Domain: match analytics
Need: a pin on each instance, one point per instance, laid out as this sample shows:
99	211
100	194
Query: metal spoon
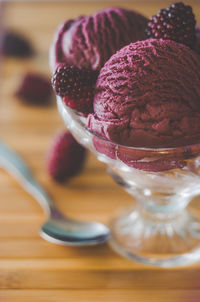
58	228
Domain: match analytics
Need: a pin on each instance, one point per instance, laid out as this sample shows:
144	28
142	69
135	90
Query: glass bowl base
165	242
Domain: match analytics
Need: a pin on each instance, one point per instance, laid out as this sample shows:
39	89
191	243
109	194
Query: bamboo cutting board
32	269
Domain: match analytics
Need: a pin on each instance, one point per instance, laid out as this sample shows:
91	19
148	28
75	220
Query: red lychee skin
66	157
35	89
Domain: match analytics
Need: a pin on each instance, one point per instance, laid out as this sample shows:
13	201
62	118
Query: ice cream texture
90	41
148	95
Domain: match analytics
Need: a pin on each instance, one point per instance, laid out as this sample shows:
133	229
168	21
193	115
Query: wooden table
32	269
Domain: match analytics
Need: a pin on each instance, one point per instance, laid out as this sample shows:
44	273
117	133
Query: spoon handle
15	165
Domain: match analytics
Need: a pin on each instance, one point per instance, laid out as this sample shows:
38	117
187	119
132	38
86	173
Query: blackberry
35	89
65	157
75	86
15	45
175	23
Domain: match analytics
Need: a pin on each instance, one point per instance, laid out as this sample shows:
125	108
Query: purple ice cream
148	95
90	41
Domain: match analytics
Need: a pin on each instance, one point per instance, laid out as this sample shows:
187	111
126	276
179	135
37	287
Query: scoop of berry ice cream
148	95
90	41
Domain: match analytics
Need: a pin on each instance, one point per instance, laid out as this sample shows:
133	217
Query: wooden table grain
32	269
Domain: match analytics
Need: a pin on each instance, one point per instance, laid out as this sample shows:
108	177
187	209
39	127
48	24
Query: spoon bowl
58	228
65	232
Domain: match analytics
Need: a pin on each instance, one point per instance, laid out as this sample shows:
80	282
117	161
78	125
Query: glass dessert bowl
159	229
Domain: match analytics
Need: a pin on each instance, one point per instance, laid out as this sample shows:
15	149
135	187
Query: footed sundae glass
159	229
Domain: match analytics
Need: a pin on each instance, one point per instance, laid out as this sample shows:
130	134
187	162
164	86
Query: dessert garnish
75	86
15	45
176	23
35	89
65	158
